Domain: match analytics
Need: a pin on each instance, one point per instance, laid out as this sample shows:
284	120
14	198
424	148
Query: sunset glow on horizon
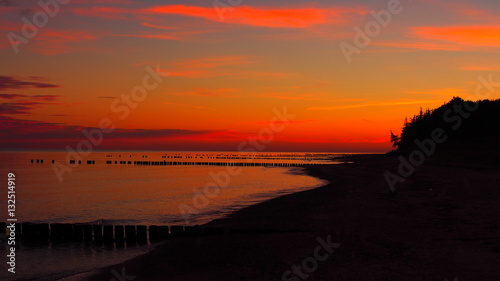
193	75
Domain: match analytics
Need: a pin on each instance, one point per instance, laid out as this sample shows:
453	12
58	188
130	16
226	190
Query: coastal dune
442	222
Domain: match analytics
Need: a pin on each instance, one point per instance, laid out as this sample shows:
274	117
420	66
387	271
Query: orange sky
225	71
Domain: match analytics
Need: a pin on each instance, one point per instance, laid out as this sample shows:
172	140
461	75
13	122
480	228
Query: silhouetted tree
462	121
395	140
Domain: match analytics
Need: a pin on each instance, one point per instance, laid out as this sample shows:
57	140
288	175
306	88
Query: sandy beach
220	140
442	223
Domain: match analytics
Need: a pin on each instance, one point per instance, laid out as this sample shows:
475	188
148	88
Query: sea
132	188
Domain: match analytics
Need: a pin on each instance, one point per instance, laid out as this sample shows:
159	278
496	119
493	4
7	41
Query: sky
333	76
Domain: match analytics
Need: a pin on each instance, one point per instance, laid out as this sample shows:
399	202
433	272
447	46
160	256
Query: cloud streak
449	38
11	82
265	17
482	36
20	134
441	92
301	17
201	92
371	104
189	105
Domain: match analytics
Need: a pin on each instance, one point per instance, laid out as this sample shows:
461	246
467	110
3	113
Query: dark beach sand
442	223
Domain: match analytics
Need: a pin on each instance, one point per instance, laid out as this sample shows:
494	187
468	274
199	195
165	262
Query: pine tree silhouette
480	126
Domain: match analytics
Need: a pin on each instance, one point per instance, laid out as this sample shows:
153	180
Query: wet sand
442	222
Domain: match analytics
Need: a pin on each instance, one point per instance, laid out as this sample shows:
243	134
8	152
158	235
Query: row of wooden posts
40	161
103	234
165	163
177	163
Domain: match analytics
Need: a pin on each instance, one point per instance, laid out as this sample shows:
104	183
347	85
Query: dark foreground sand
442	223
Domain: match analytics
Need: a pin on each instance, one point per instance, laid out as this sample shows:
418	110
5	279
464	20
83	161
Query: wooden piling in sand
130	234
142	234
77	232
87	233
119	235
28	231
193	230
154	233
97	231
177	230
39	233
105	234
108	234
43	232
60	232
56	233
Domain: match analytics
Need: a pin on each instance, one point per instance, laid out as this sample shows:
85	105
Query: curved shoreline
299	171
436	226
92	274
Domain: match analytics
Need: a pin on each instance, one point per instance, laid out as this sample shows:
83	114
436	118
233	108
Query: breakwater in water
45	233
186	163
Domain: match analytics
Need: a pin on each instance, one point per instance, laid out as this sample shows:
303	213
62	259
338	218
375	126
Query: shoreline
434	227
89	274
288	172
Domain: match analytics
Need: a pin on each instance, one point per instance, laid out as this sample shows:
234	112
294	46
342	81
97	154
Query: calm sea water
124	193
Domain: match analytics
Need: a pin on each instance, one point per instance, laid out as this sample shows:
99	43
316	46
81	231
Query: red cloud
214	62
29	134
10	82
271	75
245	15
268	17
51	41
188	73
104	12
419	46
159	26
449	38
248	15
219	66
470	11
200	92
279	122
487	36
379	140
154	36
285	96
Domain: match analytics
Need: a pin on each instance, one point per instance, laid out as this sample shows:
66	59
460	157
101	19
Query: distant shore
442	222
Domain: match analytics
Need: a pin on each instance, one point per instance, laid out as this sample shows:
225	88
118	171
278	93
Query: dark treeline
467	125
